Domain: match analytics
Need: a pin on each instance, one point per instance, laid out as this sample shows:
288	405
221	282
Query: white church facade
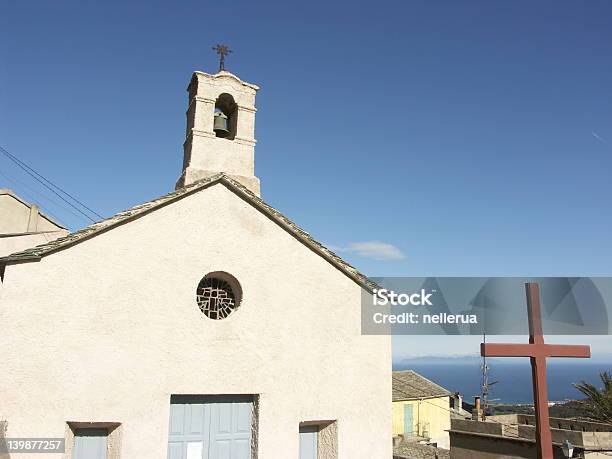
200	325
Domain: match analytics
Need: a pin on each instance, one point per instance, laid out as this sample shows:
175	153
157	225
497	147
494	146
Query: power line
31	198
22	186
46	182
50	185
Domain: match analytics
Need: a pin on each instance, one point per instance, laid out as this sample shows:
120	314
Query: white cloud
373	249
598	137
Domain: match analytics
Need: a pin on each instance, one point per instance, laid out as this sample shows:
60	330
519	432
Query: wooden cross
537	352
222	51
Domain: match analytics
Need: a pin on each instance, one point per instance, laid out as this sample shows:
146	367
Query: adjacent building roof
40	251
12	194
409	385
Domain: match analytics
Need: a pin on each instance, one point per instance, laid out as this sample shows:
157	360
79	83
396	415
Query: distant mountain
434	359
572	409
475	358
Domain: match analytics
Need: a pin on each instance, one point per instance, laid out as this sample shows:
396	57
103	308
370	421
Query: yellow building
421	408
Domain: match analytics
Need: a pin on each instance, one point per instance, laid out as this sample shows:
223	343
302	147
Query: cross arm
568	350
534	350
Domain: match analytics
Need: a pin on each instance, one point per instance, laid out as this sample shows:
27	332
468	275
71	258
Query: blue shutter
408	420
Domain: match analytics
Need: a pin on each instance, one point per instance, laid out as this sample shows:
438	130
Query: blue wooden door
408	420
308	442
210	428
90	444
230	430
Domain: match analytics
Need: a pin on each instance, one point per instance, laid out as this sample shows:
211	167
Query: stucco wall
107	330
431	415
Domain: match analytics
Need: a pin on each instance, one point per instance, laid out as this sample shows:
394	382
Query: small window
90	443
93	440
308	442
318	439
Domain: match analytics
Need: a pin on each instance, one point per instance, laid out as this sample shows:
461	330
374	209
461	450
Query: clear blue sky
473	137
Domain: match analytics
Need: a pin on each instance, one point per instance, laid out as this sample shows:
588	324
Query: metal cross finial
222	51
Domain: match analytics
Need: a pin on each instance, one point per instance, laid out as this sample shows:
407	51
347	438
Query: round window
218	294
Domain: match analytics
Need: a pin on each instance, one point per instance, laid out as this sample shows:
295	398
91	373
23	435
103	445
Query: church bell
220	124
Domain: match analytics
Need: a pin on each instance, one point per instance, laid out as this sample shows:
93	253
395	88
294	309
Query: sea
509	378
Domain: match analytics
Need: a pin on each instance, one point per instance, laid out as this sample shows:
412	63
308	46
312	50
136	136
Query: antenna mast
486	385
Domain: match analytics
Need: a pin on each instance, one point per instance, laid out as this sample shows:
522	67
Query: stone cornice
226	75
243	141
199	133
247	109
211	135
208	100
204	99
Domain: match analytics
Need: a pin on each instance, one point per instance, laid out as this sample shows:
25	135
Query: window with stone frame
318	440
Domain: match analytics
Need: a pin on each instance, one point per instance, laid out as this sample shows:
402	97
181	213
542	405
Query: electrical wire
49	185
22	187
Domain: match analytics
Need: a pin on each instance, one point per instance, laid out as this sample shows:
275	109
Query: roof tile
408	385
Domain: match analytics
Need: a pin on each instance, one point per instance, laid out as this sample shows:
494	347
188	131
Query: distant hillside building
513	437
22	225
421	408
